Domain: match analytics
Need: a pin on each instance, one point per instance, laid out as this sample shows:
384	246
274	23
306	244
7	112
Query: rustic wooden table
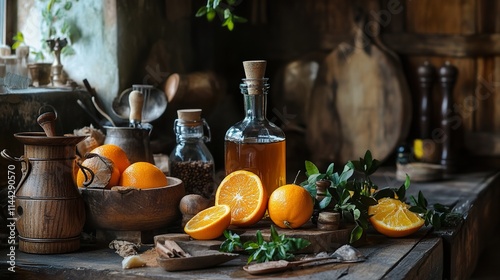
428	254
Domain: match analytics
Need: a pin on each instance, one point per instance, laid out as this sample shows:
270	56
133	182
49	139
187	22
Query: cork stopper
255	69
189	116
254	73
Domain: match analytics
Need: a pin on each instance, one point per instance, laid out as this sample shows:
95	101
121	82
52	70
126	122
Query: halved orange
392	218
244	193
209	223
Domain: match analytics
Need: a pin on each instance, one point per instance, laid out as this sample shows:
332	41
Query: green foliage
352	197
440	216
19	41
279	247
55	24
222	9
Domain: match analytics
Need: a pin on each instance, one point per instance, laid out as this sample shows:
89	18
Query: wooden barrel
50	211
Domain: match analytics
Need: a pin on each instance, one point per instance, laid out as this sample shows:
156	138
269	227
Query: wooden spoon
344	254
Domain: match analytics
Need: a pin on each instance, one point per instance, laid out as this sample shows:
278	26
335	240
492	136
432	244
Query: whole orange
143	175
104	173
116	154
290	206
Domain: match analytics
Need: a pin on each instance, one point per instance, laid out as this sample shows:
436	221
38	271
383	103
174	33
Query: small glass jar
191	161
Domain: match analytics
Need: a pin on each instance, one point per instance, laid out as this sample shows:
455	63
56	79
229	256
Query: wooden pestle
136	101
47	121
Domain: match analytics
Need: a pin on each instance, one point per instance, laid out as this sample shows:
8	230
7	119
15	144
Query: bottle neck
191	131
255	106
255	98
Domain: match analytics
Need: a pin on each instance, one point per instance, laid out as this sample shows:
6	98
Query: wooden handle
426	74
136	101
48	122
171	86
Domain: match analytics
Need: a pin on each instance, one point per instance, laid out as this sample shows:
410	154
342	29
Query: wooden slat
484	94
496	97
441	17
463	246
443	44
427	256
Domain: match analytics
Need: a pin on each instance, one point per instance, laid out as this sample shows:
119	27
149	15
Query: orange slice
392	218
209	223
244	193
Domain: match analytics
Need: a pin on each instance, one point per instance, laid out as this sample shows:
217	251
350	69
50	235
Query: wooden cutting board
360	101
321	240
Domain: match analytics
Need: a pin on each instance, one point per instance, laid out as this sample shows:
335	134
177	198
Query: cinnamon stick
176	249
163	251
170	249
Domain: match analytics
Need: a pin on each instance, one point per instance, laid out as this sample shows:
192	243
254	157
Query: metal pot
133	140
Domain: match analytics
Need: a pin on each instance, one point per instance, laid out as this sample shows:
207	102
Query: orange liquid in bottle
267	160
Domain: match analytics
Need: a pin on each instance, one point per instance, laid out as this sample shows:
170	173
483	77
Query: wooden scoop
344	254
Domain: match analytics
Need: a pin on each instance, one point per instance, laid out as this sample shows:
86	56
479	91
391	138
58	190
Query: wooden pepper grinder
451	122
424	149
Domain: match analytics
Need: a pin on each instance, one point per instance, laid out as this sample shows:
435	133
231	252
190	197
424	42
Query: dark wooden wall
463	32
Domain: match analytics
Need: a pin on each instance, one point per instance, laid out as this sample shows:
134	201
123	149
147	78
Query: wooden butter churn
49	209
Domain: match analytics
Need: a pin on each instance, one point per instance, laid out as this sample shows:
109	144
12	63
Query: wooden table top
428	254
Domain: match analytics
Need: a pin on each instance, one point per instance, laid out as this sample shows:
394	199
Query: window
3	21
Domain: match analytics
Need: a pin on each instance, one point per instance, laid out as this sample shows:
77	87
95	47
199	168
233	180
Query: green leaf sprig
353	196
439	216
279	247
223	9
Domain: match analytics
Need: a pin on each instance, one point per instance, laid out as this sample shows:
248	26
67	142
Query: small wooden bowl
133	209
419	171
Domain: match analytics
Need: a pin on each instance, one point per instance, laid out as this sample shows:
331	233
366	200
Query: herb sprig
223	9
352	197
279	247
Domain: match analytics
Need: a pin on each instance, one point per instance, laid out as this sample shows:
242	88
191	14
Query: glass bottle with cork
190	160
255	144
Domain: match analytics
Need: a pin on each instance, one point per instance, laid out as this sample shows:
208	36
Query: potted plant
58	34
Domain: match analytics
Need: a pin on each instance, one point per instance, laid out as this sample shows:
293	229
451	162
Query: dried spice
198	176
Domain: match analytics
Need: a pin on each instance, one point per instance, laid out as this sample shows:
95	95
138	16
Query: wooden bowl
419	171
133	209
